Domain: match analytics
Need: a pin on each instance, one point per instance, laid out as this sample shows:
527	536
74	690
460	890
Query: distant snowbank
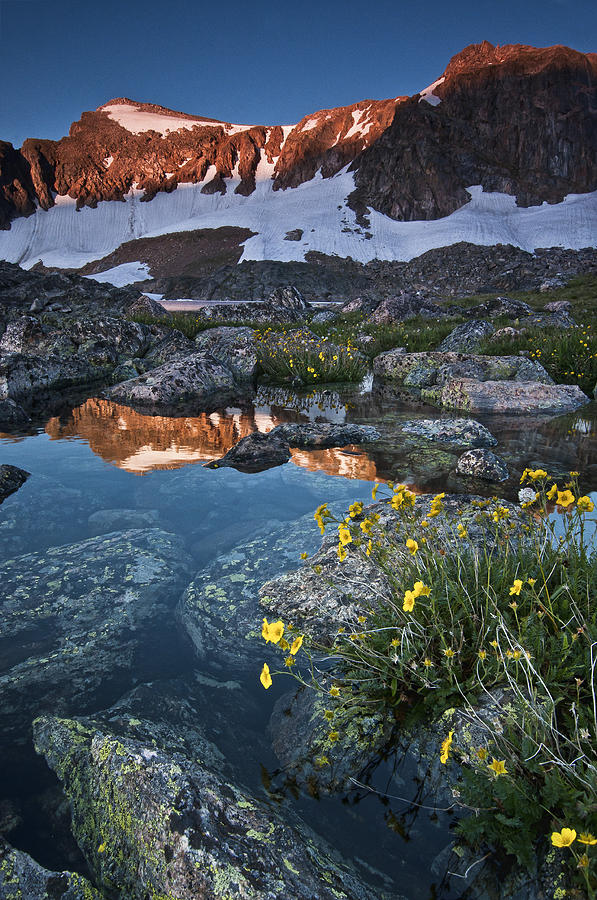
66	238
126	273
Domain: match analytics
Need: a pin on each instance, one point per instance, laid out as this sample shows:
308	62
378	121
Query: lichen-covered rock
513	397
173	345
79	618
316	435
22	377
464	432
255	453
236	348
467	338
482	463
405	306
500	307
156	823
146	306
396	366
199	378
299	732
11	479
21	878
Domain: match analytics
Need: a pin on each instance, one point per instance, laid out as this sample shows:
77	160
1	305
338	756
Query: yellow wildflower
342	554
289	661
552	492
420	589
563	838
275	630
482	654
585	504
531	581
284	645
445	749
516	587
102	848
412	546
498	767
333	736
427	662
304	555
334	691
449	653
565	498
462	532
369	547
587	838
296	645
265	678
355	509
344	534
481	753
394	642
409	601
375	490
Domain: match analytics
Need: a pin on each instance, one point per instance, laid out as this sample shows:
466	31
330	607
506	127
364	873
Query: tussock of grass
186	322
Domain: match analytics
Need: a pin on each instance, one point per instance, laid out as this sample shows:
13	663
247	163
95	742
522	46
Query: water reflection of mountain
140	443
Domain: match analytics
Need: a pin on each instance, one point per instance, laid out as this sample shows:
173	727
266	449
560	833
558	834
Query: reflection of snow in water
583	426
318	406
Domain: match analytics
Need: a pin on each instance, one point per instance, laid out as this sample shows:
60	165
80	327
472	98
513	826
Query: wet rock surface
528	397
12	415
171	825
22	877
255	453
463	432
78	620
11	479
482	463
320	435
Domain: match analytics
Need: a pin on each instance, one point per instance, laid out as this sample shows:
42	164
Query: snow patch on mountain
428	94
138	120
126	273
63	237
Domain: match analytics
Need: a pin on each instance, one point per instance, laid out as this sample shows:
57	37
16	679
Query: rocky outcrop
255	453
199	378
11	479
482	463
514	119
151	821
22	877
12	415
462	432
466	338
80	619
406	306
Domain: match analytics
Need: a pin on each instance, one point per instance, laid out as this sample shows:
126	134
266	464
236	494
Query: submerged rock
484	464
465	432
80	621
255	453
317	436
11	479
198	377
21	878
155	822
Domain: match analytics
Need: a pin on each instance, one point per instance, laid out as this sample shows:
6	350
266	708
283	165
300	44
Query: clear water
90	455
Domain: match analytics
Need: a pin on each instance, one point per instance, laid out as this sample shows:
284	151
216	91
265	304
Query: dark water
94	464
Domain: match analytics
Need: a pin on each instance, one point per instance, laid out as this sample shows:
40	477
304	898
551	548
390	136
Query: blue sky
257	62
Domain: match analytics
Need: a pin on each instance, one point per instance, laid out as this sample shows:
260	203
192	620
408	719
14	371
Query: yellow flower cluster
445	748
419	590
272	632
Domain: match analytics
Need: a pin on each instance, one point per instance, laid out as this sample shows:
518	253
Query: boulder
288	298
22	877
24	377
199	378
482	463
468	337
172	346
317	436
21	336
80	621
464	432
325	317
512	397
236	348
558	306
146	306
405	306
500	307
11	479
255	453
425	370
365	305
151	822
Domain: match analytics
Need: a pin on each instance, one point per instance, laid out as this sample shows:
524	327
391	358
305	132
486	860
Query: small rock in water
11	479
12	415
466	432
316	436
482	463
255	453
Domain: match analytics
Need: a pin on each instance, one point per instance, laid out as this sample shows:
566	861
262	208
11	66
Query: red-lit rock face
515	119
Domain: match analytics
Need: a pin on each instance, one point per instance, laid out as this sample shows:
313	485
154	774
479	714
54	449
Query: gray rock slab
482	463
255	453
198	377
236	348
316	436
512	397
21	878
